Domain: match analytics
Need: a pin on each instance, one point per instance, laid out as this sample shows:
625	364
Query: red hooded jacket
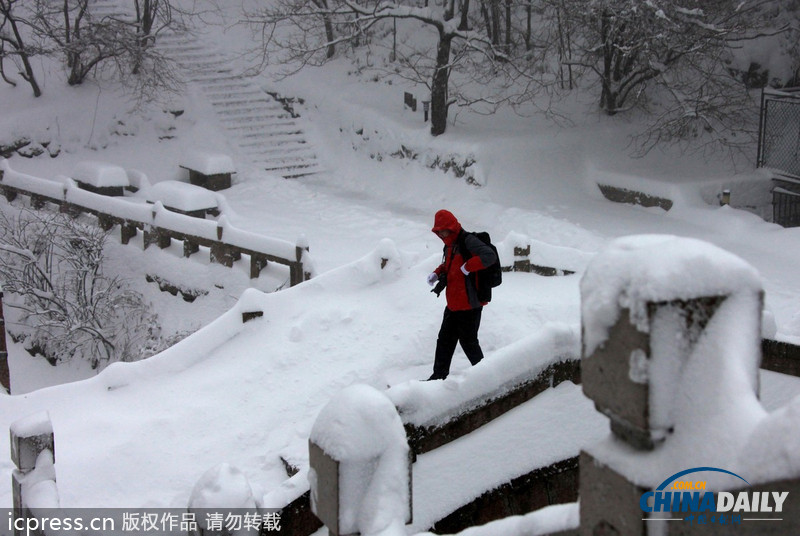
461	291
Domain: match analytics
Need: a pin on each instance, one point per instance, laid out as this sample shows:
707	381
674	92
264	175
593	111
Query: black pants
457	327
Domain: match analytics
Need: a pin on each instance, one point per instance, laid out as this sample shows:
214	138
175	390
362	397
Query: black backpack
488	278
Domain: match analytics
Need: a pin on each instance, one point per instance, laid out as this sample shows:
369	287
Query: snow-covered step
295	171
252	120
275	143
106	9
217	66
272	127
269	135
276	147
217	74
194	53
258	123
220	88
200	62
287	163
296	156
178	47
233	94
248	114
226	83
291	170
288	126
263	100
177	38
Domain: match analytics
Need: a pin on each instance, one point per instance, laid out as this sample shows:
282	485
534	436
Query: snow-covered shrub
65	306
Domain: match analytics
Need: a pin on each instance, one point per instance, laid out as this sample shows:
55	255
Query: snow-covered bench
209	170
183	198
101	177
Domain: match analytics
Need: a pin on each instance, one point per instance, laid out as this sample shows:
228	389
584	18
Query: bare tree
68	308
11	36
290	27
85	40
670	58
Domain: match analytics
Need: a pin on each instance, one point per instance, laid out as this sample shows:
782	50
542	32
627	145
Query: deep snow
143	434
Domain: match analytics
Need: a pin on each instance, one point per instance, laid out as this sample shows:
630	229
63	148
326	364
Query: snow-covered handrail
435	414
160	226
522	371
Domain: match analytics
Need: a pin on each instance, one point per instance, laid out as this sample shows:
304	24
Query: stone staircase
266	130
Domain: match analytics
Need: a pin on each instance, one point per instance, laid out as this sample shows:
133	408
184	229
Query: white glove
464	269
432	278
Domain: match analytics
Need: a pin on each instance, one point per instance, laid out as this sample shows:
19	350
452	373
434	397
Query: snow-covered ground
142	434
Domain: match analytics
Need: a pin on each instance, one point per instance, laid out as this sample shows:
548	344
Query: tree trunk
28	75
608	100
528	29
508	26
495	14
331	51
328	24
564	46
76	72
5	78
487	20
463	25
441	76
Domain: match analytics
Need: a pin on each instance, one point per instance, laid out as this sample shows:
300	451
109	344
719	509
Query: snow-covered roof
100	174
207	163
181	195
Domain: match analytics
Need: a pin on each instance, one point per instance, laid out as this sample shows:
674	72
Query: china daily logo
680	494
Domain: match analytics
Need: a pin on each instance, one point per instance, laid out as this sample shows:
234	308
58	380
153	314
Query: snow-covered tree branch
51	267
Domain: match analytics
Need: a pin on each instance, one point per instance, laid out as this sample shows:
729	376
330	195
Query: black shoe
435	377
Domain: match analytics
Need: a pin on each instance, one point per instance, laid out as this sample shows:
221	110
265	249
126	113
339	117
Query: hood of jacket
444	220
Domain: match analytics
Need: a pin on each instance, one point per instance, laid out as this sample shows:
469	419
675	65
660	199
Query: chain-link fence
779	150
779	135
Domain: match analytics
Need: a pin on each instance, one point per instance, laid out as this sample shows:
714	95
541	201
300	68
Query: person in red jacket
464	254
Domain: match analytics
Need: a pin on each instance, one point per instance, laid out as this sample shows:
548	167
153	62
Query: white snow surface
32	425
222	486
100	174
636	270
207	162
180	195
247	394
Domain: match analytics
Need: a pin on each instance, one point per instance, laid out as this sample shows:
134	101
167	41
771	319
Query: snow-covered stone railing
435	414
780	356
33	482
160	226
520	373
671	346
520	253
360	472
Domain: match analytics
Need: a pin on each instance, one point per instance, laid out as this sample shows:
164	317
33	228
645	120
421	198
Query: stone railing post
646	303
360	464
297	271
522	261
615	375
33	450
